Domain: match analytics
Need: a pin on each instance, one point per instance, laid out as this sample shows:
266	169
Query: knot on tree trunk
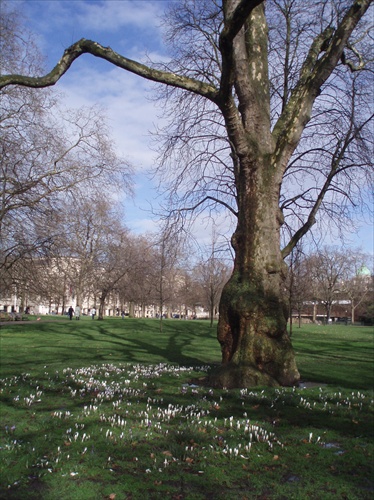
252	331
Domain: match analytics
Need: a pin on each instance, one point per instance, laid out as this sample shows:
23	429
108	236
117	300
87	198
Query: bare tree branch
84	46
202	201
315	71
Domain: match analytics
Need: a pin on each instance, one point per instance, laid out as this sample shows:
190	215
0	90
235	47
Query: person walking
77	312
93	313
71	312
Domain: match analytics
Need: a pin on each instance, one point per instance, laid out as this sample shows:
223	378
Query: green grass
336	354
59	343
113	409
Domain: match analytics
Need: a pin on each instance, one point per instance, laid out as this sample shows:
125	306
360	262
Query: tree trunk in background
102	306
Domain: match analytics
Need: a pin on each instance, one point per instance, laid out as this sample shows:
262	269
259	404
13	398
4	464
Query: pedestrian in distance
93	313
77	312
71	312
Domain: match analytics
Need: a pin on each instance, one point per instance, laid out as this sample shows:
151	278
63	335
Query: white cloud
115	15
143	226
128	26
131	116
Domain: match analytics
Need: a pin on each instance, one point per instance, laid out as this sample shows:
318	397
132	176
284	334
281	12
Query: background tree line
334	279
95	259
60	219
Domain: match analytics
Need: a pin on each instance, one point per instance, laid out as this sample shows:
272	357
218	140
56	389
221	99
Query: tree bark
252	328
131	309
102	306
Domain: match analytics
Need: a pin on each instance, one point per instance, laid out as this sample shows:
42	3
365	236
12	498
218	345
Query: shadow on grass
290	417
170	347
343	357
30	347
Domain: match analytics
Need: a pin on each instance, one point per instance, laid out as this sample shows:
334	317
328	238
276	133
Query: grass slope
109	410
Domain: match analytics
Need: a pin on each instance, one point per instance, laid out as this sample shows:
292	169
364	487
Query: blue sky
131	27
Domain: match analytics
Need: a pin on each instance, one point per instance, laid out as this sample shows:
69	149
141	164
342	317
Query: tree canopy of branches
267	80
46	152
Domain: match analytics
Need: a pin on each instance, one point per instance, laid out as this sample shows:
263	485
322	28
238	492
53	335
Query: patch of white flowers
116	402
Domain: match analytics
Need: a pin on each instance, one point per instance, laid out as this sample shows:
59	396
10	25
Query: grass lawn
114	410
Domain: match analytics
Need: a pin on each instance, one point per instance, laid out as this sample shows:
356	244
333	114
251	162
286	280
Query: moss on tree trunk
252	331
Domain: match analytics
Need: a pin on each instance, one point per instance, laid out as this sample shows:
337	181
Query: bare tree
358	287
167	246
71	268
212	273
298	283
328	269
46	152
138	285
223	60
112	266
189	292
46	279
98	248
212	276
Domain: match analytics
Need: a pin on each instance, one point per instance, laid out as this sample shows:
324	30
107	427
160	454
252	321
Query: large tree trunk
252	328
